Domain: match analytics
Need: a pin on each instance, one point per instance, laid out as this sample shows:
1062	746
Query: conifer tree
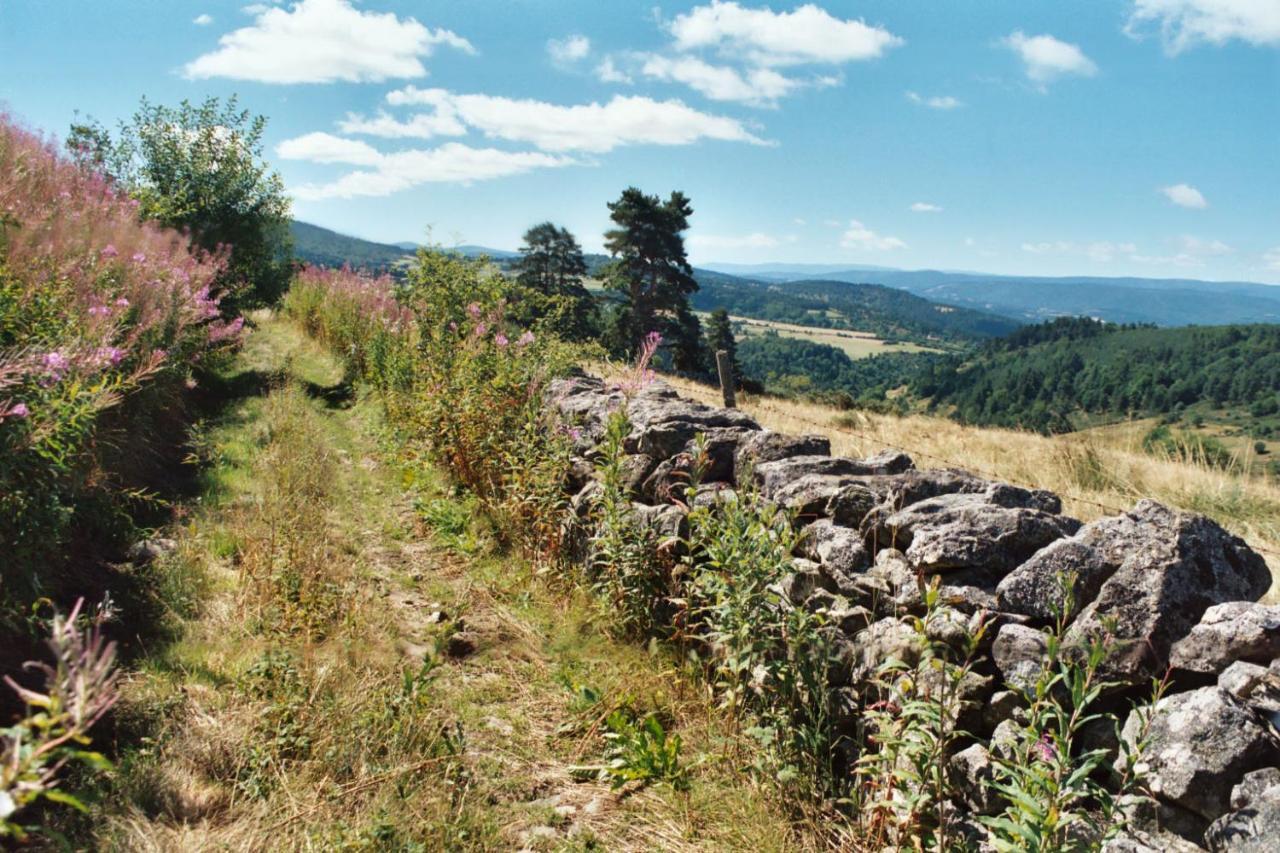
652	276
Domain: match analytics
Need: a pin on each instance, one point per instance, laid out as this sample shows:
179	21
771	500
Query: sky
1031	137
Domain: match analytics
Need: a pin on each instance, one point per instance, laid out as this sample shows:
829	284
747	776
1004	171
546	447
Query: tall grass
102	318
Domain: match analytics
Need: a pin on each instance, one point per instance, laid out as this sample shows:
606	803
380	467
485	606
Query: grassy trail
354	666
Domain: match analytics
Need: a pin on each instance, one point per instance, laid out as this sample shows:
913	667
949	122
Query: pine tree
720	337
551	267
652	276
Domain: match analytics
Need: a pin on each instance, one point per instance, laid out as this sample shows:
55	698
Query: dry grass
851	343
1096	474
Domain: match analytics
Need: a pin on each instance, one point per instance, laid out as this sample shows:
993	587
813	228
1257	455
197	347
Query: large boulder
958	531
1183	565
1235	631
836	548
808	495
769	446
662	425
914	486
1087	559
774	476
1253	825
1200	743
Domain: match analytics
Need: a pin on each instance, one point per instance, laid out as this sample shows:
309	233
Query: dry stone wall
1177	591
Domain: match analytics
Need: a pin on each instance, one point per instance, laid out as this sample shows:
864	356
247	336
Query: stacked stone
1176	592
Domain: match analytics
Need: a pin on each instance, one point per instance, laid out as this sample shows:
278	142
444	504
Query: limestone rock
1185	565
1201	743
837	548
1254	824
960	531
1019	653
1235	631
768	446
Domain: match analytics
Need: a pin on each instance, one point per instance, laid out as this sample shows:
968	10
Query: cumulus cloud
593	127
755	240
202	20
322	41
1046	58
569	50
935	102
859	236
419	126
1184	195
327	148
401	170
925	207
1186	23
608	72
808	34
719	82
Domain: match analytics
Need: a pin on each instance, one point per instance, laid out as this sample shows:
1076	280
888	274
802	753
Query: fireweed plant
463	389
102	318
79	688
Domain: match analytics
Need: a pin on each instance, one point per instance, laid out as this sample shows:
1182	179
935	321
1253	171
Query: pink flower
525	339
159	354
109	251
139	258
453	327
500	339
481	330
122	302
474	309
55	361
108	355
1044	748
18	411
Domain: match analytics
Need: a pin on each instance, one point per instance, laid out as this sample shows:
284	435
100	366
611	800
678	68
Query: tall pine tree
651	274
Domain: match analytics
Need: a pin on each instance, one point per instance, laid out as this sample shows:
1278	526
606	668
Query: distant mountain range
1163	302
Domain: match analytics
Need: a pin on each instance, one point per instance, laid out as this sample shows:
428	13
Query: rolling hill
1163	302
888	312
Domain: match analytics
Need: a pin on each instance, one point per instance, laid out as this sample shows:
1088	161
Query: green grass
305	702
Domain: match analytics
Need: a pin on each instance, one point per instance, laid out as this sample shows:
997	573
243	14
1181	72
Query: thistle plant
79	688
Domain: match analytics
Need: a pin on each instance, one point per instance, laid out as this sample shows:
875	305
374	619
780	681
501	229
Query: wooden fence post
725	367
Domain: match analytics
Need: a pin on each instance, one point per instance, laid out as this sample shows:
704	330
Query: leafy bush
102	319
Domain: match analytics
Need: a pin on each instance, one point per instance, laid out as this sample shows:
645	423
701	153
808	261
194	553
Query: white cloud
754	240
1105	252
1046	247
1102	251
1271	258
202	20
1046	58
808	34
1196	246
925	207
401	170
608	72
569	50
1185	23
800	221
322	41
442	122
936	102
859	236
1184	195
590	127
719	82
327	148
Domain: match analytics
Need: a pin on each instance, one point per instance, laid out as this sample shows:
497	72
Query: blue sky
1136	137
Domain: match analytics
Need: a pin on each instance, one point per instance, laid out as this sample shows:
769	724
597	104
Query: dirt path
358	667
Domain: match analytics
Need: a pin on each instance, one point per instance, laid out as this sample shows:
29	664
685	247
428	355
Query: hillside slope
889	313
323	247
1057	376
